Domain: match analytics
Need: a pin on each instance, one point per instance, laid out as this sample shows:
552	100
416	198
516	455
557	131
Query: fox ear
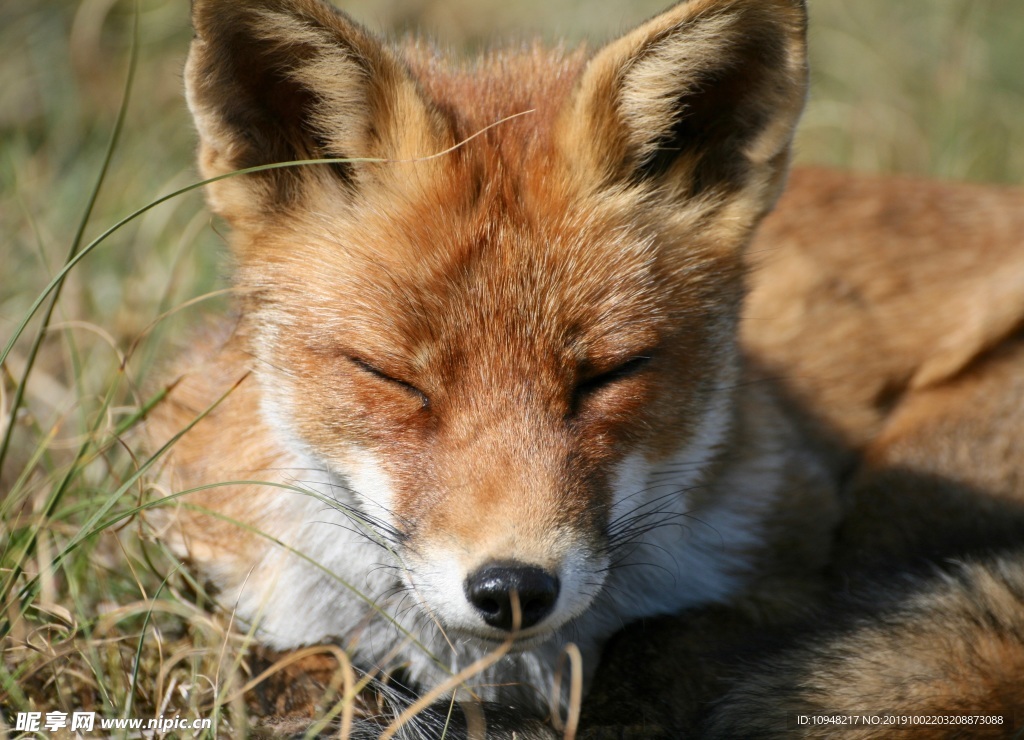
702	99
279	80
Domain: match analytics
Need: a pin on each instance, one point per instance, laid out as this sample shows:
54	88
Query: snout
507	595
497	590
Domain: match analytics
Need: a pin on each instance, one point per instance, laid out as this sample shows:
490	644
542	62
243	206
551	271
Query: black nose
490	589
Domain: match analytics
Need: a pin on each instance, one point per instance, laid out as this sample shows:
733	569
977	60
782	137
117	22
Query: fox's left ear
701	100
273	81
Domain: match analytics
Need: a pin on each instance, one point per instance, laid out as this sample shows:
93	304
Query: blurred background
927	87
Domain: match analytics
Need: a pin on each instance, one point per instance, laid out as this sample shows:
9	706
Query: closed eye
378	373
591	385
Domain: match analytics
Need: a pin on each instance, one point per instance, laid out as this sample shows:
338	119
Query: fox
484	376
506	372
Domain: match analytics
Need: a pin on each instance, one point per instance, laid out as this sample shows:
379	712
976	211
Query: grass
95	616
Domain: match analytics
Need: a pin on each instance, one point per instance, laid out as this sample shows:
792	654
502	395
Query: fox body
485	380
914	303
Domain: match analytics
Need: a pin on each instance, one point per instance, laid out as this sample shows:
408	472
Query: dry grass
97	617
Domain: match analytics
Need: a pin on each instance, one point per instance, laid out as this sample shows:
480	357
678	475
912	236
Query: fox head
510	291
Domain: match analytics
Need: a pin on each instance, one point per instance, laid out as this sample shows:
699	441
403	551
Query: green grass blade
76	243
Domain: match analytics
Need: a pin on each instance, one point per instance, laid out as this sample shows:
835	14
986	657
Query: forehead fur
533	80
500	231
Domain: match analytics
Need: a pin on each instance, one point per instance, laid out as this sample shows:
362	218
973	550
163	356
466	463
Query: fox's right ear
281	80
700	101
